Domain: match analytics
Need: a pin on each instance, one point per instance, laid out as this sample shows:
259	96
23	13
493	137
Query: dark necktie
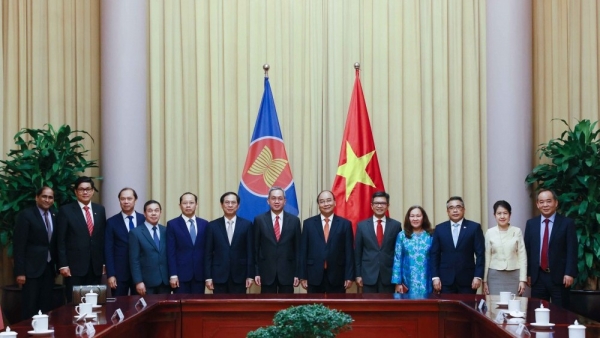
131	225
48	228
155	237
544	256
379	233
192	231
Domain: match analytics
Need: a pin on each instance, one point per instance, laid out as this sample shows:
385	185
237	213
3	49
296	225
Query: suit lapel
371	232
462	233
163	239
78	212
555	228
148	236
270	227
223	229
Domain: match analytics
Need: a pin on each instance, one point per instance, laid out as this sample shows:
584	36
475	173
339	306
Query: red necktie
88	219
379	233
277	228
544	257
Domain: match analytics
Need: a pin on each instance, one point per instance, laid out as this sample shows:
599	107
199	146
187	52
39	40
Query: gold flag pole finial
266	69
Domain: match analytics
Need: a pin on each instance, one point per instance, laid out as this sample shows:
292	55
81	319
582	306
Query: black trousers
545	288
229	287
159	289
37	293
276	287
379	287
124	288
325	286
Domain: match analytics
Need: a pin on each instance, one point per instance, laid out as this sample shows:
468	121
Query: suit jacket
116	246
562	248
505	253
76	248
186	259
148	263
221	259
337	251
452	264
371	260
31	244
273	258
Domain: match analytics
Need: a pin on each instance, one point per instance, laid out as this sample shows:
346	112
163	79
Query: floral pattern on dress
411	263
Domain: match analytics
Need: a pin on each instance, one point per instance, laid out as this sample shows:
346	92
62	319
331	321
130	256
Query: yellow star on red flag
355	169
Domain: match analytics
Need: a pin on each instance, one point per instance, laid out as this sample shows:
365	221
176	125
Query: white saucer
40	333
542	325
96	306
501	303
517	314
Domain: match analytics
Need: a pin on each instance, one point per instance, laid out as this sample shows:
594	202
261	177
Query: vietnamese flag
358	174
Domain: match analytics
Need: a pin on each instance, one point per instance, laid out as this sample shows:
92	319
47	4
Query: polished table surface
172	308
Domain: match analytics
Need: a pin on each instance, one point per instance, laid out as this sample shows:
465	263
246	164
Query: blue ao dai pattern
411	263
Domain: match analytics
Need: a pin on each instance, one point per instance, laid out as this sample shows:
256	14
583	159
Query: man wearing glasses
80	238
374	247
455	242
276	246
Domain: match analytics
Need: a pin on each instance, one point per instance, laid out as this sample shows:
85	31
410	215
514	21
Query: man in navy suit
185	247
148	253
35	252
374	261
80	230
326	251
116	244
454	244
276	246
228	262
551	267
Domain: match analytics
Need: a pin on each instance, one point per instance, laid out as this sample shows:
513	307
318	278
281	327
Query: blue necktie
192	231
131	226
155	236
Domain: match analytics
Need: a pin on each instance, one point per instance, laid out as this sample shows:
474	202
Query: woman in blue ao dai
411	259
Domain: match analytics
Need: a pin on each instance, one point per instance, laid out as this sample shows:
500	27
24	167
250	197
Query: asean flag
358	174
267	164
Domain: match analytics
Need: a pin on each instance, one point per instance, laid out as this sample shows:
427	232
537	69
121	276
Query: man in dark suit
551	243
326	252
276	246
148	253
455	242
374	247
185	247
34	252
228	263
116	244
81	227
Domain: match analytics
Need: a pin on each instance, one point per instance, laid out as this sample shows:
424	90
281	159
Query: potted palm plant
571	167
42	157
305	321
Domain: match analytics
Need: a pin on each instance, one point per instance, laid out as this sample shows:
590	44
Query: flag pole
266	69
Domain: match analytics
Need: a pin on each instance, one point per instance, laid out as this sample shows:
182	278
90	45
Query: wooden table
235	315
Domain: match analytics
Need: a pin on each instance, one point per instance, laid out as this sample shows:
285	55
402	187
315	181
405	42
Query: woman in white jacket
505	256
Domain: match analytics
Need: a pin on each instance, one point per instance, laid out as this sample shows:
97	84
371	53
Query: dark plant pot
586	303
11	301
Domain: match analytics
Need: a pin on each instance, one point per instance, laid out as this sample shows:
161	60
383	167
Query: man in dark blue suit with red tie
551	243
326	250
185	247
116	244
228	262
455	242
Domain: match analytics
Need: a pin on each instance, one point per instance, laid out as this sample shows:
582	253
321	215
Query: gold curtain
423	76
566	38
50	56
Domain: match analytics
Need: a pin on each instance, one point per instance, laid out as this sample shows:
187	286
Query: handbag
80	291
404	288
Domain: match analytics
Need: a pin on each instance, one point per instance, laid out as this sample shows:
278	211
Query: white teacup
505	296
40	323
514	305
84	308
91	298
8	333
542	315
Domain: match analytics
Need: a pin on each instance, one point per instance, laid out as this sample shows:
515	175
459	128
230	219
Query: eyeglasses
455	207
85	190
